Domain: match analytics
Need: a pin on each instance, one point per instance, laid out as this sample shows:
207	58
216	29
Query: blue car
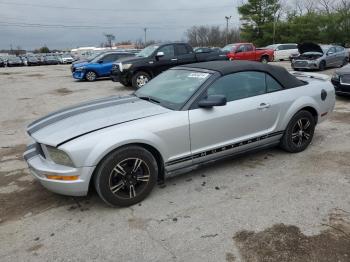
100	66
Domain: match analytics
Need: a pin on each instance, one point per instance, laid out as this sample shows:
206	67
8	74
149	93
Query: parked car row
35	60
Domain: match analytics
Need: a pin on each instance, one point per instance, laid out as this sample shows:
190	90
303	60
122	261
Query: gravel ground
266	206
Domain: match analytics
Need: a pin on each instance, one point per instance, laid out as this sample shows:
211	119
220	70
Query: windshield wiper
150	99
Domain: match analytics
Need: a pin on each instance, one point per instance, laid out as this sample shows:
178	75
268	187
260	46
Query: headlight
82	68
335	76
126	66
59	157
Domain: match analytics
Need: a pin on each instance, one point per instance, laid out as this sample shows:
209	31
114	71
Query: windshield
173	88
97	58
229	48
146	52
15	59
271	47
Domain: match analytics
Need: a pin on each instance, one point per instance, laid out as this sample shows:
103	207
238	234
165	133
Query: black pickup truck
154	59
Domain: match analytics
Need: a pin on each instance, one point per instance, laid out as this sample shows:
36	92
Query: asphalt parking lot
241	209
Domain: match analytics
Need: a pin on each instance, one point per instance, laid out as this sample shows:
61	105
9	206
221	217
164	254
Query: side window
109	58
182	50
248	48
168	51
271	84
331	50
240	49
280	47
239	85
340	49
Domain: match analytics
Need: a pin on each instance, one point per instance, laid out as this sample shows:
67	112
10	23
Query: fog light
62	178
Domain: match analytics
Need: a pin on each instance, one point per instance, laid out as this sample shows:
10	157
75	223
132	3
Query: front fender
90	149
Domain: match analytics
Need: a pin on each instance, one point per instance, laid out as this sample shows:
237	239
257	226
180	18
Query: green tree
258	17
44	49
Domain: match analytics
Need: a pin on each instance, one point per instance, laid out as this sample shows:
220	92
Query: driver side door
246	121
106	63
167	61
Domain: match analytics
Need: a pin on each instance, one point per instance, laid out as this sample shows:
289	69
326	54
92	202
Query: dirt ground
268	206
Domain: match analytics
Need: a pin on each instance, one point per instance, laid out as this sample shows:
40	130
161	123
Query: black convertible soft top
228	67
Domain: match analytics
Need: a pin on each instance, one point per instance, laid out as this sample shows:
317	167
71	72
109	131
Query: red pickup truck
247	51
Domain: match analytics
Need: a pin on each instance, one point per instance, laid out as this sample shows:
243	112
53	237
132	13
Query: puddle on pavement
287	243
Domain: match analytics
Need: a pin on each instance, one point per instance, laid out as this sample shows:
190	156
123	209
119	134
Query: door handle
174	59
264	106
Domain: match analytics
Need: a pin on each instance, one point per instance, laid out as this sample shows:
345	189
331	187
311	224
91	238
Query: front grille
345	79
300	63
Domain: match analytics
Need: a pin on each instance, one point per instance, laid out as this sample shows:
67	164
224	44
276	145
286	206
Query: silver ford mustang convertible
187	116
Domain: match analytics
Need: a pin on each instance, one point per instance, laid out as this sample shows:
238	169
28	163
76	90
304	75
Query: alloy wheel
142	80
129	178
301	132
90	76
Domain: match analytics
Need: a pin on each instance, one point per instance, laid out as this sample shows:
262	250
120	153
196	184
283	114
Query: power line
210	8
65	26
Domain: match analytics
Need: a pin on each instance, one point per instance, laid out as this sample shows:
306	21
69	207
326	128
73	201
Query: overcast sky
31	24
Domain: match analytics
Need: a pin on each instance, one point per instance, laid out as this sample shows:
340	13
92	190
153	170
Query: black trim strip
223	148
77	112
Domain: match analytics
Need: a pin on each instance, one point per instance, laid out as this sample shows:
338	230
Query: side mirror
330	53
159	54
238	51
100	62
213	100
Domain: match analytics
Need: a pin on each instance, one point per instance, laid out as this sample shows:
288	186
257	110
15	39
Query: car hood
80	64
309	47
70	123
344	70
133	59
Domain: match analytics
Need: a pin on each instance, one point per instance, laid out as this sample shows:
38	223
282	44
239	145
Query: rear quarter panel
308	96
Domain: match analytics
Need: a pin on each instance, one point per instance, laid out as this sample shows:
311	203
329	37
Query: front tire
299	132
264	60
322	65
126	83
140	79
90	76
126	176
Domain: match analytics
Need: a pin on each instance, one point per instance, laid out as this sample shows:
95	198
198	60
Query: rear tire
345	62
126	176
299	132
140	79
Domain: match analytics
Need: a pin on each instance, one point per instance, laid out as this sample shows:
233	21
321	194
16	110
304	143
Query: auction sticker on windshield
198	75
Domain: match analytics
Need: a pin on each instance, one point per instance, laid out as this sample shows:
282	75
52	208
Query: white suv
283	51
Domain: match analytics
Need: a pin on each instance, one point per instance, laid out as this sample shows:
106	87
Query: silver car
187	116
314	56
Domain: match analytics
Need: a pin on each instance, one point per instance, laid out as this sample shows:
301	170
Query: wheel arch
143	69
93	70
154	151
306	104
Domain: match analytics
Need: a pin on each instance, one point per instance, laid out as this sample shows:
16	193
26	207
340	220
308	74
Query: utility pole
145	29
227	20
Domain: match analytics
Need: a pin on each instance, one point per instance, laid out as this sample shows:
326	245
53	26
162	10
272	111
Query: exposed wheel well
265	56
144	70
156	154
312	111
